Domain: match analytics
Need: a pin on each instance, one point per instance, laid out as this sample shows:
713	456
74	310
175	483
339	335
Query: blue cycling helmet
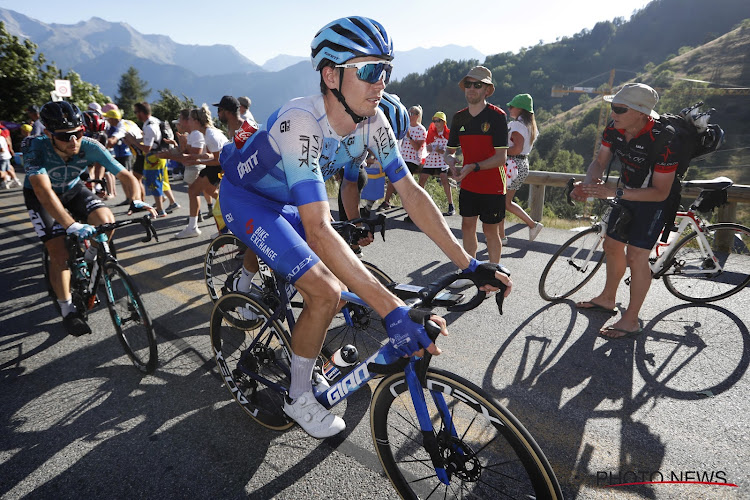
396	113
350	37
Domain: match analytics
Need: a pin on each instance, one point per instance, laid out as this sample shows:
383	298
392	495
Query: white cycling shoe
313	417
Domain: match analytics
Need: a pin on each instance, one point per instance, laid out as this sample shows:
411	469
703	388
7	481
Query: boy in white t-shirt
412	149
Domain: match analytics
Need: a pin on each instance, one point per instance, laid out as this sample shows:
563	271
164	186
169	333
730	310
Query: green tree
25	78
131	90
169	105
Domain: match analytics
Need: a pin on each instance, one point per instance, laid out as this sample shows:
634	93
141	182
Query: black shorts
413	167
434	171
126	161
79	201
645	225
138	164
213	173
489	207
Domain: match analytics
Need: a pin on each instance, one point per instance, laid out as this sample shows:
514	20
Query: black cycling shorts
79	201
489	207
212	173
645	225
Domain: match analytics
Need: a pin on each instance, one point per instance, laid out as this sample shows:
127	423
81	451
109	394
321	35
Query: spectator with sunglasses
273	198
646	178
57	200
481	131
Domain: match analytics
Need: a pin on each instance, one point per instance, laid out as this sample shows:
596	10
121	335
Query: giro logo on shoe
299	267
248	165
249	227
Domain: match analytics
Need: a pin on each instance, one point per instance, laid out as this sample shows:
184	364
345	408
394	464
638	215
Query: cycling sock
246	279
66	306
193	222
302	369
90	255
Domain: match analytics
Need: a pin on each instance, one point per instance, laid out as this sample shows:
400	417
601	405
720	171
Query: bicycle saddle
716	184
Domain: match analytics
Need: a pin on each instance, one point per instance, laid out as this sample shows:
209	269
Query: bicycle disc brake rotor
460	460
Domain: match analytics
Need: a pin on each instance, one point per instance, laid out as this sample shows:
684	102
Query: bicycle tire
130	318
223	258
499	456
730	244
567	272
363	328
270	358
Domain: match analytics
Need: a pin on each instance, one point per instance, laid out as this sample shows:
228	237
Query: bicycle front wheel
254	356
223	258
487	452
573	265
129	316
357	325
697	277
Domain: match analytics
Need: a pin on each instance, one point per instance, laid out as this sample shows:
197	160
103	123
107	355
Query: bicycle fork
430	441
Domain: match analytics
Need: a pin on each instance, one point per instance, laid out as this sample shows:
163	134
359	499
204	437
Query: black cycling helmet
60	115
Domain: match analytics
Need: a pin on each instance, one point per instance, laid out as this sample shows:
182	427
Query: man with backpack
154	169
648	165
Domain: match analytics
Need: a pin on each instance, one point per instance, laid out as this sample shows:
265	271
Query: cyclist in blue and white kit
56	198
274	199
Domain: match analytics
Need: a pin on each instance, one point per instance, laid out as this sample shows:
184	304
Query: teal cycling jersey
289	160
40	157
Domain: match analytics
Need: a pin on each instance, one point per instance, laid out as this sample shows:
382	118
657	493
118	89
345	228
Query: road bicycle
353	325
129	317
436	434
700	262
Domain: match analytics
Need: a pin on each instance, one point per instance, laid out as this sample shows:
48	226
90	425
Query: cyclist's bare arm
49	199
350	198
338	257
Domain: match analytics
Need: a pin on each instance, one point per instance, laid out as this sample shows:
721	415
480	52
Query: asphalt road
78	420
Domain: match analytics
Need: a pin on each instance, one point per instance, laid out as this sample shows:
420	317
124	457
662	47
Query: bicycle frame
361	375
663	251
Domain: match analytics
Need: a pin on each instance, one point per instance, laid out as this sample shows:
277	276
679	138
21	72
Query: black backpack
166	133
690	132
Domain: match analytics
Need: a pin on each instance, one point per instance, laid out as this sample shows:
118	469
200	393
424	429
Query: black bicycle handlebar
352	233
428	294
145	221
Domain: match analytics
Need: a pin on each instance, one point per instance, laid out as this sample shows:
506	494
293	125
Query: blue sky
262	30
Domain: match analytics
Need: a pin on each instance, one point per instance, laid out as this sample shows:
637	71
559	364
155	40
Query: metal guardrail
538	180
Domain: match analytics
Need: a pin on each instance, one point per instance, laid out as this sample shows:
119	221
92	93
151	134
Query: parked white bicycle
700	262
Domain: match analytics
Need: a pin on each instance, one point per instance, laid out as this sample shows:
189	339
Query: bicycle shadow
547	367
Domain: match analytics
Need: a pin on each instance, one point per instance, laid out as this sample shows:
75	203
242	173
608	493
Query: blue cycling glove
405	335
83	231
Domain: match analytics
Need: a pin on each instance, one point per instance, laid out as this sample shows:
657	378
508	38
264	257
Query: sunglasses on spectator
371	72
476	85
619	110
436	120
66	136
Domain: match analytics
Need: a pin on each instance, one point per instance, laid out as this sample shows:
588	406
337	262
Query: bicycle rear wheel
254	358
572	266
695	277
129	316
358	325
487	452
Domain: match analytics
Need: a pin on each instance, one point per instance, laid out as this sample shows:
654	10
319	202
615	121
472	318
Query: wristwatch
476	167
619	193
